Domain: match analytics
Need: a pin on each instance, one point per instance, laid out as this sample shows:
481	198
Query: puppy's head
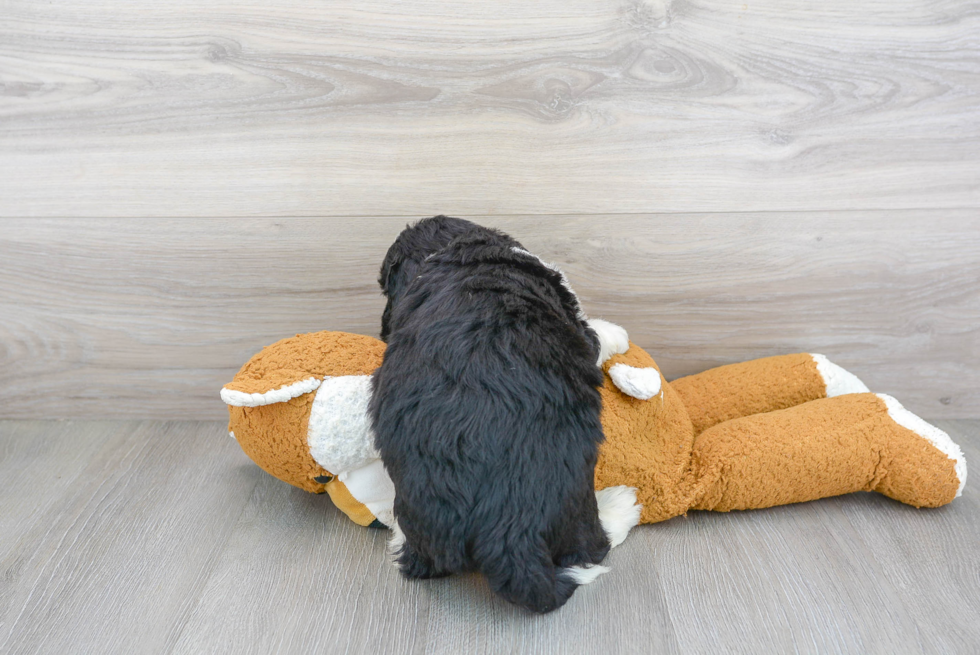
405	256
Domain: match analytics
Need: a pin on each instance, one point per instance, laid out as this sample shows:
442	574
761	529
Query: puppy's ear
392	282
392	278
406	255
388	275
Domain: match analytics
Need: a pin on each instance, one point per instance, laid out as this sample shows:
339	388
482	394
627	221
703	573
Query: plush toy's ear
237	397
295	366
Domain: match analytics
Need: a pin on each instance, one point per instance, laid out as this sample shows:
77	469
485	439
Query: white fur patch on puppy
641	383
339	433
613	340
839	381
583	574
930	433
618	512
395	543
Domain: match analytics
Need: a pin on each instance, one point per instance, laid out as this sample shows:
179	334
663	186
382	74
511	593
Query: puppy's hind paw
396	543
613	340
407	560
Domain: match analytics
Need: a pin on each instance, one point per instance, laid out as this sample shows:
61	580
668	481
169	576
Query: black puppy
486	414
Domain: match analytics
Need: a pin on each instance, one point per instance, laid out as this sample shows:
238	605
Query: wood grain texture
170	540
118	318
137	109
114	561
298	576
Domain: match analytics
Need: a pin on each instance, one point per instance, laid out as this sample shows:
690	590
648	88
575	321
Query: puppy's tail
531	580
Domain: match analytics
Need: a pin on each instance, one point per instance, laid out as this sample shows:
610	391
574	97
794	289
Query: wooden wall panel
296	108
123	318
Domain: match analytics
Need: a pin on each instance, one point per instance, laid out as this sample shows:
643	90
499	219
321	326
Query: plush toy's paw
839	381
930	433
618	512
641	383
613	339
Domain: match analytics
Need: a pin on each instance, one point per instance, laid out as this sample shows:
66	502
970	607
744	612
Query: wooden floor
160	537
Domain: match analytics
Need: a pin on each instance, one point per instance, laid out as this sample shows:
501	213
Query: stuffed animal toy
768	432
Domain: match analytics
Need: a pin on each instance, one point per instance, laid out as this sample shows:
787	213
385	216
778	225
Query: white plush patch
371	486
930	433
618	512
641	383
613	340
280	395
564	280
232	435
339	435
839	381
584	574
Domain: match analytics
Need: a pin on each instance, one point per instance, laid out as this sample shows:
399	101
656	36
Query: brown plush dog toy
762	433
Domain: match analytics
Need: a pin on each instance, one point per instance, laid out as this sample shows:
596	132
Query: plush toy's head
299	407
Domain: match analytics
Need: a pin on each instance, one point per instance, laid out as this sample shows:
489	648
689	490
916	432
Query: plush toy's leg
825	448
762	385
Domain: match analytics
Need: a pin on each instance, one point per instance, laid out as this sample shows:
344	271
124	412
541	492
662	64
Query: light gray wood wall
728	180
294	107
115	317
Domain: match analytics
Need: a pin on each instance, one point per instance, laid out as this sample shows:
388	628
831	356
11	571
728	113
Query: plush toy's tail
828	447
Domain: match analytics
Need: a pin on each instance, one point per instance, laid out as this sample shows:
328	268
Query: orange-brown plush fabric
317	354
648	443
759	433
346	503
818	449
736	390
912	470
275	436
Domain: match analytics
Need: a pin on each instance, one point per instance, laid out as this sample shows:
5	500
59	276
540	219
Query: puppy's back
487	418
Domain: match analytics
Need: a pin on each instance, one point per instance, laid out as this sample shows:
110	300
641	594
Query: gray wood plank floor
163	537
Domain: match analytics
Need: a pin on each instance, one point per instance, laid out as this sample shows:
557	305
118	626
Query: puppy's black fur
486	414
406	254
